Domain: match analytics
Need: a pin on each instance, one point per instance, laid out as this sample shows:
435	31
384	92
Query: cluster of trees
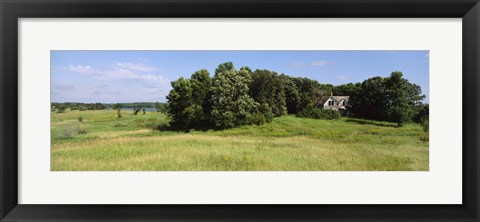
392	99
61	107
237	97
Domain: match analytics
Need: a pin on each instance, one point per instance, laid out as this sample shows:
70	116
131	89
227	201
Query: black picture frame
12	10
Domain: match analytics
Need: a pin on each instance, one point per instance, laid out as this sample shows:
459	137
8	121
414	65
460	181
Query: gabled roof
338	99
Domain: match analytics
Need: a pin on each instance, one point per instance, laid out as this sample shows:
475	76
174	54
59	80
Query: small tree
61	108
143	110
118	107
136	110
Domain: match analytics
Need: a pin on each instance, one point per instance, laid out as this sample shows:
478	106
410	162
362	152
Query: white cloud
136	66
319	63
118	71
86	70
297	64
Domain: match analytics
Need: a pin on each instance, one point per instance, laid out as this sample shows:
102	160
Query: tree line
235	97
61	107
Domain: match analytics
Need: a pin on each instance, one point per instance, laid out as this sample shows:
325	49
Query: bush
425	125
68	131
80	119
72	129
316	113
257	119
161	127
81	131
135	111
424	137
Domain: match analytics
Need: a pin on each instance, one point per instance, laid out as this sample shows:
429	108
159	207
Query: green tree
186	101
371	100
201	86
118	107
266	88
292	96
179	104
161	107
246	68
61	108
309	92
402	97
230	103
224	67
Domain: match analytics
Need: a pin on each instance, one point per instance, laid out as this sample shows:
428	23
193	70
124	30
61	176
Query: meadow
99	141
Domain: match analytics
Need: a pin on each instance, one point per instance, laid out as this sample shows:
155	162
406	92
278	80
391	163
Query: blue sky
145	76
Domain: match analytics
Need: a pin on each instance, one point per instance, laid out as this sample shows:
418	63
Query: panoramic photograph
239	110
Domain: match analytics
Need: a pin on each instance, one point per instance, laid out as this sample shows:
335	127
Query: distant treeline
238	97
61	107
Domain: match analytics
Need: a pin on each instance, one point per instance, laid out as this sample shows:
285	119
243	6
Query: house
338	103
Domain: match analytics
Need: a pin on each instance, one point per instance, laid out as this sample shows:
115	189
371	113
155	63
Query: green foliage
267	112
80	119
231	104
117	106
186	102
161	107
69	130
119	115
135	111
266	88
224	67
316	113
424	136
309	92
425	125
246	68
421	113
388	99
292	95
370	103
61	107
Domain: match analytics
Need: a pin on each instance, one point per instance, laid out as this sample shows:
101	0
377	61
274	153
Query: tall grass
287	143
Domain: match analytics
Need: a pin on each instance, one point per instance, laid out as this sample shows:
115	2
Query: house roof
336	98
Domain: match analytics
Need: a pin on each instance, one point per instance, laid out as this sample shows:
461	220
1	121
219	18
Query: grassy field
103	142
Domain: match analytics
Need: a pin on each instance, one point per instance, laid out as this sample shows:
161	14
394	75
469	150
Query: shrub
257	119
80	119
81	131
267	112
161	127
71	129
135	111
425	125
316	113
424	137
